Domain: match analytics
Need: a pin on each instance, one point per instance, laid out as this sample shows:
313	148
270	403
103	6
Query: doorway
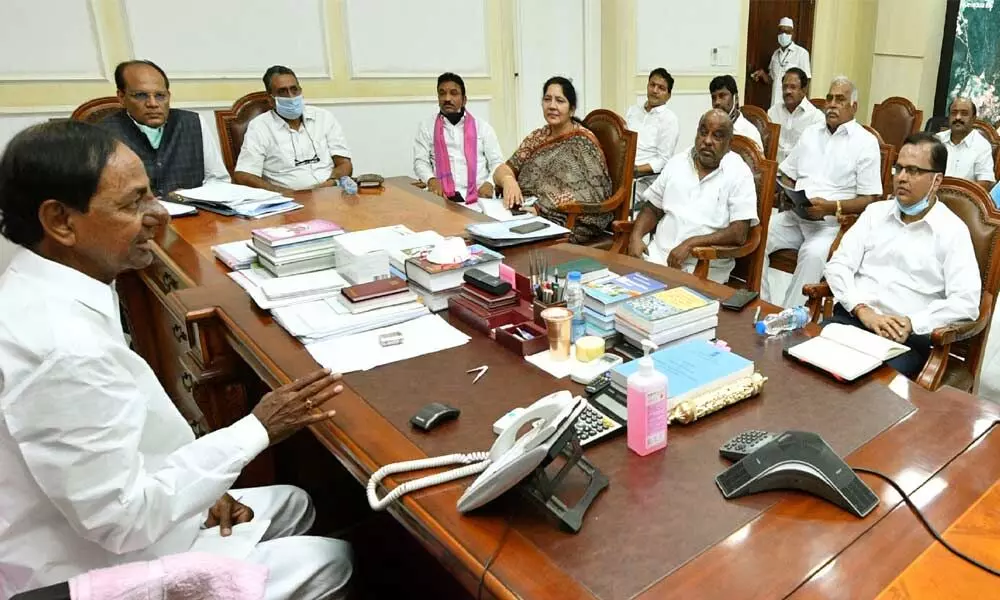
762	40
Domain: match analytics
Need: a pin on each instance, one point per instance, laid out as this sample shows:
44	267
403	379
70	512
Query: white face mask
784	39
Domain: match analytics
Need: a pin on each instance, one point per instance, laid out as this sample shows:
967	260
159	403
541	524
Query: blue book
692	368
604	293
592	315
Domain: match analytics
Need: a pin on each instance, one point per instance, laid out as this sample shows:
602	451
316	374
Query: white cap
786	22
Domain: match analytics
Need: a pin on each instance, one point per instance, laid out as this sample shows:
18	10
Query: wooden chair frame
97	109
226	116
764	125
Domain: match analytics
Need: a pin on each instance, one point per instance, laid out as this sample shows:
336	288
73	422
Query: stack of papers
363	351
330	318
286	291
363	256
175	209
493	208
499	234
237	200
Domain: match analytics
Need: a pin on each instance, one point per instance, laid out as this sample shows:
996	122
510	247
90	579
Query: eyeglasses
160	97
911	170
295	151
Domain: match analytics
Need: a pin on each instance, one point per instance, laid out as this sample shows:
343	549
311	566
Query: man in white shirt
907	266
837	165
970	155
788	55
704	196
97	466
726	97
655	124
796	113
178	147
293	146
463	173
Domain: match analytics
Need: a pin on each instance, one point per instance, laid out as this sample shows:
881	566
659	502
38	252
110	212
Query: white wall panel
416	38
10	124
687	36
689	107
229	38
48	39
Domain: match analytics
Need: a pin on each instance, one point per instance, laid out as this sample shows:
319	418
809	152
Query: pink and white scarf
442	162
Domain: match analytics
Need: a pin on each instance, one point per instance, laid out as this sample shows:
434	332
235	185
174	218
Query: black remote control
486	282
598	384
746	443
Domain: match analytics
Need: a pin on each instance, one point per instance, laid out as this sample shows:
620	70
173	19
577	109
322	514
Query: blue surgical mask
289	108
784	39
153	134
914	209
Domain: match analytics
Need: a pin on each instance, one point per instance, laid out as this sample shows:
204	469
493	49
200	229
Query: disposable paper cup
558	324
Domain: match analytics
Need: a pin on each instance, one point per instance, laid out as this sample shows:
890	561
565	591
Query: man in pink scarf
455	153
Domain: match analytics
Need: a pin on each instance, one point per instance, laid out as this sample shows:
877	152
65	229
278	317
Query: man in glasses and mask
726	97
454	152
177	147
907	266
293	146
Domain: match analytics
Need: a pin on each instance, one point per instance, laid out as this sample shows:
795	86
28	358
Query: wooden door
762	40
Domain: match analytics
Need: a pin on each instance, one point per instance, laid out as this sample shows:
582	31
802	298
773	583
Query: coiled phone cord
476	461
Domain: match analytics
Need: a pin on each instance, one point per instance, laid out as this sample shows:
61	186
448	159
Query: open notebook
845	351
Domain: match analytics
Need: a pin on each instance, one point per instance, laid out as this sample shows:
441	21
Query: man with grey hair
837	165
704	196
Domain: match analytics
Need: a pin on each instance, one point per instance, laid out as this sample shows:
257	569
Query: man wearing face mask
788	55
455	153
726	97
970	156
293	146
704	196
177	147
907	266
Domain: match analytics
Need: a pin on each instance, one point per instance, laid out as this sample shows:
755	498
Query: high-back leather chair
618	144
887	155
957	349
819	103
769	131
232	124
896	118
96	110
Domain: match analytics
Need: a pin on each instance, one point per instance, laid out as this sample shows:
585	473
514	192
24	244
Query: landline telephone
510	460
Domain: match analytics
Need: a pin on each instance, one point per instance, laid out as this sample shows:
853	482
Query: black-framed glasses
911	170
295	151
160	97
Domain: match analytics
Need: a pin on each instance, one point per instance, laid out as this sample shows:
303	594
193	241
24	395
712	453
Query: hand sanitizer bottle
647	406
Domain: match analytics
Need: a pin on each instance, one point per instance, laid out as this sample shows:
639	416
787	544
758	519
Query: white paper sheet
239	545
493	208
500	230
228	193
178	210
555	368
362	351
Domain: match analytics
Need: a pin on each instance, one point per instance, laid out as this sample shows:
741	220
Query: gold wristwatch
840	209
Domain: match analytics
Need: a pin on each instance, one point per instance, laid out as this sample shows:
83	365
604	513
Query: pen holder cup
511	337
538	307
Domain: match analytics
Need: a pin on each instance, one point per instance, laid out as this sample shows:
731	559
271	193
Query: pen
756	316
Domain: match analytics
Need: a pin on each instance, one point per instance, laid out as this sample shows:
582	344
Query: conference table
661	529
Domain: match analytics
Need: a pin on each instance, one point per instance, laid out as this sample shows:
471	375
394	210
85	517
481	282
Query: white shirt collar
70	282
654	110
932	218
844	129
966	141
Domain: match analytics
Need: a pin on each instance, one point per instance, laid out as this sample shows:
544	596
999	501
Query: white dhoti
812	239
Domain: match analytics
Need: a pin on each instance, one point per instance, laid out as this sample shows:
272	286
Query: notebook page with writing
842	361
863	341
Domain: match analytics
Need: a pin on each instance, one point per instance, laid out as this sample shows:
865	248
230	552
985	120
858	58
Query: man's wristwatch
840	209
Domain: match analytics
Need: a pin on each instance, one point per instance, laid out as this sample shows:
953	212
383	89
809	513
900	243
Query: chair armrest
609	205
622	226
963	330
817	291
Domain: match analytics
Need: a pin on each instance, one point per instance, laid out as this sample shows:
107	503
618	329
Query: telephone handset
509	461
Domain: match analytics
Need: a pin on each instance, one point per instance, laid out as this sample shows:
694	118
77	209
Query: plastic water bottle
574	302
349	186
786	320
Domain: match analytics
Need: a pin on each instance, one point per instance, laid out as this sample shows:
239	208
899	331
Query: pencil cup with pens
545	286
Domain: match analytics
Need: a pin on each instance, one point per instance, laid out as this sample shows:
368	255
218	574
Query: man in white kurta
795	113
726	97
970	156
97	466
837	165
907	266
788	55
655	125
454	119
704	196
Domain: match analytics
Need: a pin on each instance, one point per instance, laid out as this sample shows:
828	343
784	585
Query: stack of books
377	294
296	248
602	298
692	369
478	307
410	246
436	284
236	255
669	317
589	269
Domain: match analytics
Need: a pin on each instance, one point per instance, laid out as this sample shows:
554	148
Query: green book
590	270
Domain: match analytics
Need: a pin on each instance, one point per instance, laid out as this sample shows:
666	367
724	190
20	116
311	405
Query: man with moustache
455	153
970	156
704	196
837	165
796	113
907	266
726	97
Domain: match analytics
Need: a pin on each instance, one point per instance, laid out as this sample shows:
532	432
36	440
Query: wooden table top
661	530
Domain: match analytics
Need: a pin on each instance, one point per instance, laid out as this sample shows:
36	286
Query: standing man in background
788	55
795	113
656	125
455	153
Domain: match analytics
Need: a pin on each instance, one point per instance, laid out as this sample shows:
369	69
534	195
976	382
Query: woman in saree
560	163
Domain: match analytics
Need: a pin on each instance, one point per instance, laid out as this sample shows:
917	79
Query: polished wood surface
764	546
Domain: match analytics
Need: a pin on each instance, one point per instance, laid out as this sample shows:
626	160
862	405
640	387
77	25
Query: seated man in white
907	266
796	113
970	156
455	153
293	146
704	196
97	466
726	97
837	164
656	126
